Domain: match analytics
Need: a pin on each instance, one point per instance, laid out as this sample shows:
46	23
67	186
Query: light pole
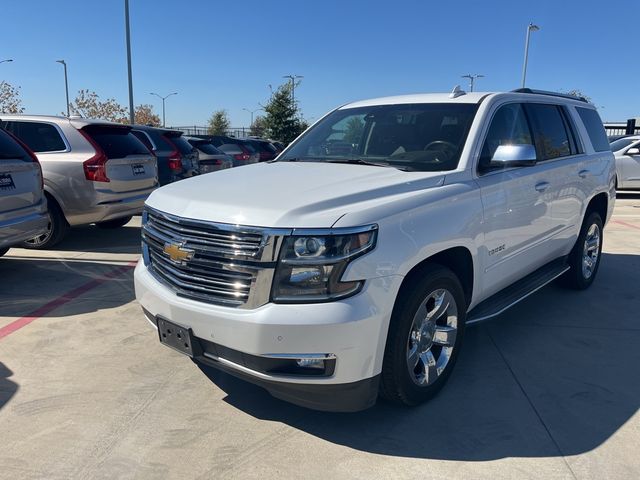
7	60
128	36
252	112
66	83
293	79
472	78
530	28
163	99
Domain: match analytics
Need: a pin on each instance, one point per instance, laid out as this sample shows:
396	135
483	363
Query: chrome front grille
210	262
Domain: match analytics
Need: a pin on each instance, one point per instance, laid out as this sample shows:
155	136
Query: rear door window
116	142
12	150
595	129
39	137
550	133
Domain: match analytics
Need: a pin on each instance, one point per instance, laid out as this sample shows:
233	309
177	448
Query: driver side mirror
507	156
633	151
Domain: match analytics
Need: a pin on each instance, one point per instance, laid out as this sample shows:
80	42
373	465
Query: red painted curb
63	299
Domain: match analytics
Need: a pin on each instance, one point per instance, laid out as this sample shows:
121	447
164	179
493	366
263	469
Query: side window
509	126
595	129
549	131
39	137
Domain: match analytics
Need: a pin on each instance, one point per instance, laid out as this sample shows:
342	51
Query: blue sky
224	54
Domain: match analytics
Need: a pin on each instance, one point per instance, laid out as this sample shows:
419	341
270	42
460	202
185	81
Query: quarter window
39	137
595	129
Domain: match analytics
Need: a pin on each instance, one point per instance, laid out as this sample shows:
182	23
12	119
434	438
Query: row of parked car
59	172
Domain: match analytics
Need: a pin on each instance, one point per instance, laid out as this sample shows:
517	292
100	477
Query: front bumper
354	330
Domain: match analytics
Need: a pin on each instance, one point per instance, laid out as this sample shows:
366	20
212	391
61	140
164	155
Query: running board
508	297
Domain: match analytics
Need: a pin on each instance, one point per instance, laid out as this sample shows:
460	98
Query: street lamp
472	77
129	75
163	99
66	83
252	112
7	60
293	79
530	28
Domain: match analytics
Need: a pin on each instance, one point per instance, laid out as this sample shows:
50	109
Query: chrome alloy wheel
432	337
590	251
43	237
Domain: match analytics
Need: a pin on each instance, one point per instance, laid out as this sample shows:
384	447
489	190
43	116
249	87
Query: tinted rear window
143	138
39	137
207	148
595	129
116	142
11	150
231	148
182	145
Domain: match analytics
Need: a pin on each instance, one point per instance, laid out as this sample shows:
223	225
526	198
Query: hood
288	194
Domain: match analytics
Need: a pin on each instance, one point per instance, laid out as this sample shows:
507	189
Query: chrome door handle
542	186
583	173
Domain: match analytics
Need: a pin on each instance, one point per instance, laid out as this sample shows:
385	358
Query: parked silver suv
94	171
23	208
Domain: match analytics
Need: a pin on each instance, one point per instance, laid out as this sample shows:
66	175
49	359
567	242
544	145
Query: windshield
622	143
417	137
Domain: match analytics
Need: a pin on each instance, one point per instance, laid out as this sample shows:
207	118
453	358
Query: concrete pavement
550	389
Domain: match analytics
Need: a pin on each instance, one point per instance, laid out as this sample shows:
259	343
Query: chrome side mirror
514	156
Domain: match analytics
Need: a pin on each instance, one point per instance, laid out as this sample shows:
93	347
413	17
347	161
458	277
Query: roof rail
551	94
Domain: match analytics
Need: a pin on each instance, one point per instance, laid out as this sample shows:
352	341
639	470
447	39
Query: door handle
583	173
542	186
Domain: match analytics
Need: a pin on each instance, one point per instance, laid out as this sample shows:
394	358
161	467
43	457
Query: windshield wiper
360	161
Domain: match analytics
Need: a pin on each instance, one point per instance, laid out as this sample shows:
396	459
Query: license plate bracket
178	337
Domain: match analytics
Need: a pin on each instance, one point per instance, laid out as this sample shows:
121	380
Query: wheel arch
599	204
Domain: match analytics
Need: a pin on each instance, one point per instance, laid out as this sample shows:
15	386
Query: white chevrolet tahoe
351	265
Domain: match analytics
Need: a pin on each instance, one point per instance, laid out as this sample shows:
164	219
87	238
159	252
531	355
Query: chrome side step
513	294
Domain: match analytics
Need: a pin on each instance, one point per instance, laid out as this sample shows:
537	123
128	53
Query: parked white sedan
627	153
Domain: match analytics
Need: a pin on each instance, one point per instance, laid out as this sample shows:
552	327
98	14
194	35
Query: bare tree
10	101
88	105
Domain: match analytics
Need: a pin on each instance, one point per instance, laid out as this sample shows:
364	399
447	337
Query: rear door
630	165
130	166
20	180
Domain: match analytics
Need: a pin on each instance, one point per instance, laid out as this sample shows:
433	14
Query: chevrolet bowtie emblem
177	252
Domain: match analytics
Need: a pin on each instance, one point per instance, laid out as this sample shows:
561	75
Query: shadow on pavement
556	375
62	287
7	387
98	240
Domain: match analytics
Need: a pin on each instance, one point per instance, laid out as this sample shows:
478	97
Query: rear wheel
57	229
116	223
584	259
424	337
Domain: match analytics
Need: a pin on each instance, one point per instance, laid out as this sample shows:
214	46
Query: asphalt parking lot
550	389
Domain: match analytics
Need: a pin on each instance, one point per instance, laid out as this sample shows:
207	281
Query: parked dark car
177	158
210	159
264	147
243	153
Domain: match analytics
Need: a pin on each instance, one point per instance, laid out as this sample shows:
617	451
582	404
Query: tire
436	342
56	230
115	223
3	251
584	259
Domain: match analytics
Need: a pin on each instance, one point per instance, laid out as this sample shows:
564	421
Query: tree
88	105
219	123
10	101
259	126
577	93
282	118
144	115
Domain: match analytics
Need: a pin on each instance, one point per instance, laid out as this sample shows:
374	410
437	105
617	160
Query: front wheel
584	259
425	335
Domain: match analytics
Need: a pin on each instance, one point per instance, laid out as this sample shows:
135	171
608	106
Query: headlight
312	264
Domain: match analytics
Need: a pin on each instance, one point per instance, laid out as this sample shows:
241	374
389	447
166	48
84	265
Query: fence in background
198	130
628	128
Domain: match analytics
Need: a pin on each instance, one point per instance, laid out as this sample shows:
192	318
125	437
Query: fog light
311	363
